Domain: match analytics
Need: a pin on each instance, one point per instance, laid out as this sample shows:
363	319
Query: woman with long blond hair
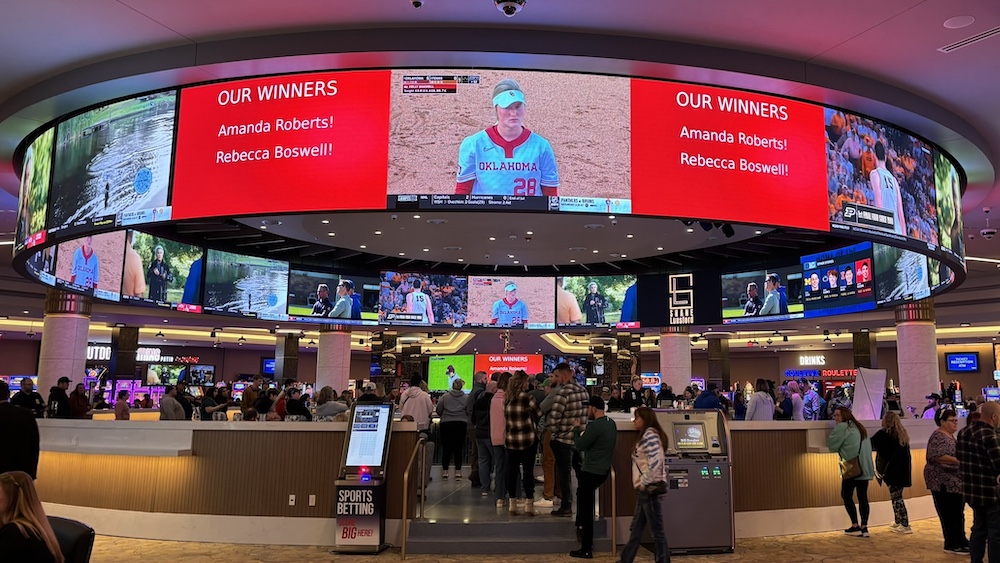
893	466
25	533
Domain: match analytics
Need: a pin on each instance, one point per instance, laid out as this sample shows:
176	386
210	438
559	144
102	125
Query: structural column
64	338
286	357
675	357
916	353
333	357
864	350
718	358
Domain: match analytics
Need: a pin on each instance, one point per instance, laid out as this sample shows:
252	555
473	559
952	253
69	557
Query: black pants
585	488
951	512
567	458
520	463
847	489
452	443
984	539
474	462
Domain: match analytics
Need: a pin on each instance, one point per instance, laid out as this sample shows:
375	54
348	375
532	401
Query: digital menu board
423	299
162	272
306	136
511	302
762	295
442	371
248	286
880	180
112	165
499	363
92	265
708	152
900	275
596	301
838	281
522	140
32	204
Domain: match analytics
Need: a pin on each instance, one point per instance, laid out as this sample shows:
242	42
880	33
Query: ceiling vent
970	40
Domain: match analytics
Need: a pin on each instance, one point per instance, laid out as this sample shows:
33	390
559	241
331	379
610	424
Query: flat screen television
961	362
267	366
596	301
772	294
366	448
442	371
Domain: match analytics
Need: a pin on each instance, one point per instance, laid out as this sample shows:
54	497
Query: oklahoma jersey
510	314
417	303
85	271
519	167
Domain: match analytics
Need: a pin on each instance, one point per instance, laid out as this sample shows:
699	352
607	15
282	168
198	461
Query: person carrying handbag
850	440
893	466
649	477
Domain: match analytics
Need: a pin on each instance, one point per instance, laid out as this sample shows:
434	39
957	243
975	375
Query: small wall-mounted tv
961	362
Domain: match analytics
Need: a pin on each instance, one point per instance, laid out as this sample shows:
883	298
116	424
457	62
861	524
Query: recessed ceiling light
326	221
402	254
493	238
461	259
959	22
624	255
611	216
965	325
594	226
689	229
660	248
427	250
437	221
331	234
758	231
595	251
264	227
516	262
510	256
530	233
572	261
25	312
416	216
364	246
630	235
378	232
451	248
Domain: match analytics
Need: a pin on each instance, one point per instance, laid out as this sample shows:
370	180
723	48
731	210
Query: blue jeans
648	510
499	470
485	462
985	536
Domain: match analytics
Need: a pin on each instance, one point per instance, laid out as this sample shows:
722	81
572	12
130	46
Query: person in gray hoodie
451	408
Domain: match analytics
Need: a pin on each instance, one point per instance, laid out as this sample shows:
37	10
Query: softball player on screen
509	311
507	158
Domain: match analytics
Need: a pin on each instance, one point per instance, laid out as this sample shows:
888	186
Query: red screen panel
283	143
713	153
491	363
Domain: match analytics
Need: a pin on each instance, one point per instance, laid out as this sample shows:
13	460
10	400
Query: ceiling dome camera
510	8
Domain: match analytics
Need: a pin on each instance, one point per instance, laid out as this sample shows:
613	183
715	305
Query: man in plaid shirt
978	452
569	405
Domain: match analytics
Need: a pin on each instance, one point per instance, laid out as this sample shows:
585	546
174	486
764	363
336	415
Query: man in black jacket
478	388
20	450
481	422
29	399
58	405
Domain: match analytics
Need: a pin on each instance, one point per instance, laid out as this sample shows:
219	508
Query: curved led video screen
490	140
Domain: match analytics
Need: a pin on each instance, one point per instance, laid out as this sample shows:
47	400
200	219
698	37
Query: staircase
530	535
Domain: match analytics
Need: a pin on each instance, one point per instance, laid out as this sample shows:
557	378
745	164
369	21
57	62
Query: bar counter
231	481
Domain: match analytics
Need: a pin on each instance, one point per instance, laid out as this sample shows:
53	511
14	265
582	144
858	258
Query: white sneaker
543	503
904	530
894	527
499	503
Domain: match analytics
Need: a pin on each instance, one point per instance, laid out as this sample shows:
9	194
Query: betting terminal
361	485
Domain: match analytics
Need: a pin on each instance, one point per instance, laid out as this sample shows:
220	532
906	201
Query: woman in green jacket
850	440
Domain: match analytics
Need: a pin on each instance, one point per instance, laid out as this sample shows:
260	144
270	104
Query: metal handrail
614	515
406	495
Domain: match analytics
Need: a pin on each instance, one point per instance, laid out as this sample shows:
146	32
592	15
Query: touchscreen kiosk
361	488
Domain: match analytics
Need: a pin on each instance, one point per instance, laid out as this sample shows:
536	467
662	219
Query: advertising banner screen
317	139
92	265
36	174
507	302
112	164
248	286
707	152
838	281
313	298
499	363
522	140
596	301
162	272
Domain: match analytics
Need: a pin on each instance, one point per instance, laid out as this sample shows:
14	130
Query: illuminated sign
810	360
681	299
